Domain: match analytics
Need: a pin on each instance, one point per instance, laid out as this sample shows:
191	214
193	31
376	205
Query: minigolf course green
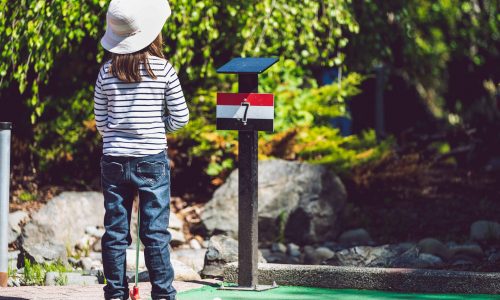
311	293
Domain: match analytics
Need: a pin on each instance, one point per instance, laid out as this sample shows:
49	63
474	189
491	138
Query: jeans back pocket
151	171
111	171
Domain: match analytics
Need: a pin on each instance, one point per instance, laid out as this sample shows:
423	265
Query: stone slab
385	279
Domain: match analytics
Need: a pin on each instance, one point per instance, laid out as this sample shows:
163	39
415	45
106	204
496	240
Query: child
133	91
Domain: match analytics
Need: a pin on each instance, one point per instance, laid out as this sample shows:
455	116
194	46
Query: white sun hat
131	25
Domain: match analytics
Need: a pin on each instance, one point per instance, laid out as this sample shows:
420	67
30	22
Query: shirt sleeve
100	105
178	112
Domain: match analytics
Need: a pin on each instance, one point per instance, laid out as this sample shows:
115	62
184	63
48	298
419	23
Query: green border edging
311	293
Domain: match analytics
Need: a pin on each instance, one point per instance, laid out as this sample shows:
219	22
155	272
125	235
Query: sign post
5	128
248	112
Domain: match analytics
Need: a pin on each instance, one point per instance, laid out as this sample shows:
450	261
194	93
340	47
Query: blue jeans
121	177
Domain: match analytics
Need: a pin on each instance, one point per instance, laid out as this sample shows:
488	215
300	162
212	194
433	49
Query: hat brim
151	26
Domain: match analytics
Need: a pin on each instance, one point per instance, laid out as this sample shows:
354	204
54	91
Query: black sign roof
252	65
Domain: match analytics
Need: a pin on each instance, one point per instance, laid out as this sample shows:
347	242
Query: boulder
367	256
183	272
355	237
15	220
485	231
193	258
434	247
62	221
43	252
174	222
293	250
177	237
131	258
221	251
278	247
393	256
472	250
303	197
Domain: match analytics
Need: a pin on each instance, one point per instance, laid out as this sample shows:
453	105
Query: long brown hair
126	67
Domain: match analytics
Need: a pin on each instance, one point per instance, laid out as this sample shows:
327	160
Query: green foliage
199	35
34	273
323	145
70	135
34	33
27	196
444	48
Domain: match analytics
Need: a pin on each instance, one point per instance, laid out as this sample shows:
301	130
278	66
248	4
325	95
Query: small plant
27	196
62	279
34	273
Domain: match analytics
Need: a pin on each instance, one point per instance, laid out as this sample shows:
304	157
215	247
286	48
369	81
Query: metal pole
248	202
5	132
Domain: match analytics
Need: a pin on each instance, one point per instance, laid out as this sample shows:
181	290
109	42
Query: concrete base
386	279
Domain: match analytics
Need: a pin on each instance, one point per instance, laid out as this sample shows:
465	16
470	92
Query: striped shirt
133	118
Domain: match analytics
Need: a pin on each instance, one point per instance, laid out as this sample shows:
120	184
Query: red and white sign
245	111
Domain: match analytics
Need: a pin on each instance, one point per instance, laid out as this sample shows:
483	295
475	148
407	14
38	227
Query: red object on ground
134	293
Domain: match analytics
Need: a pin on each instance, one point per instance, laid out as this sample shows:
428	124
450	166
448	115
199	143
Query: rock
55	278
15	220
96	266
323	253
221	251
86	263
131	260
400	256
367	256
97	255
193	258
194	244
355	237
434	247
143	276
293	250
95	231
306	197
44	252
13	255
177	237
85	243
277	258
13	282
183	272
309	254
473	250
278	247
74	262
266	253
494	257
62	221
174	222
97	246
484	231
426	260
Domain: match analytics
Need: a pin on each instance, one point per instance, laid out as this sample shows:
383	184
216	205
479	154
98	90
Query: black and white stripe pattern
133	118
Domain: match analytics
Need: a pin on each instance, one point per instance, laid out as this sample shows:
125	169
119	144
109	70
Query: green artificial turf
309	293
